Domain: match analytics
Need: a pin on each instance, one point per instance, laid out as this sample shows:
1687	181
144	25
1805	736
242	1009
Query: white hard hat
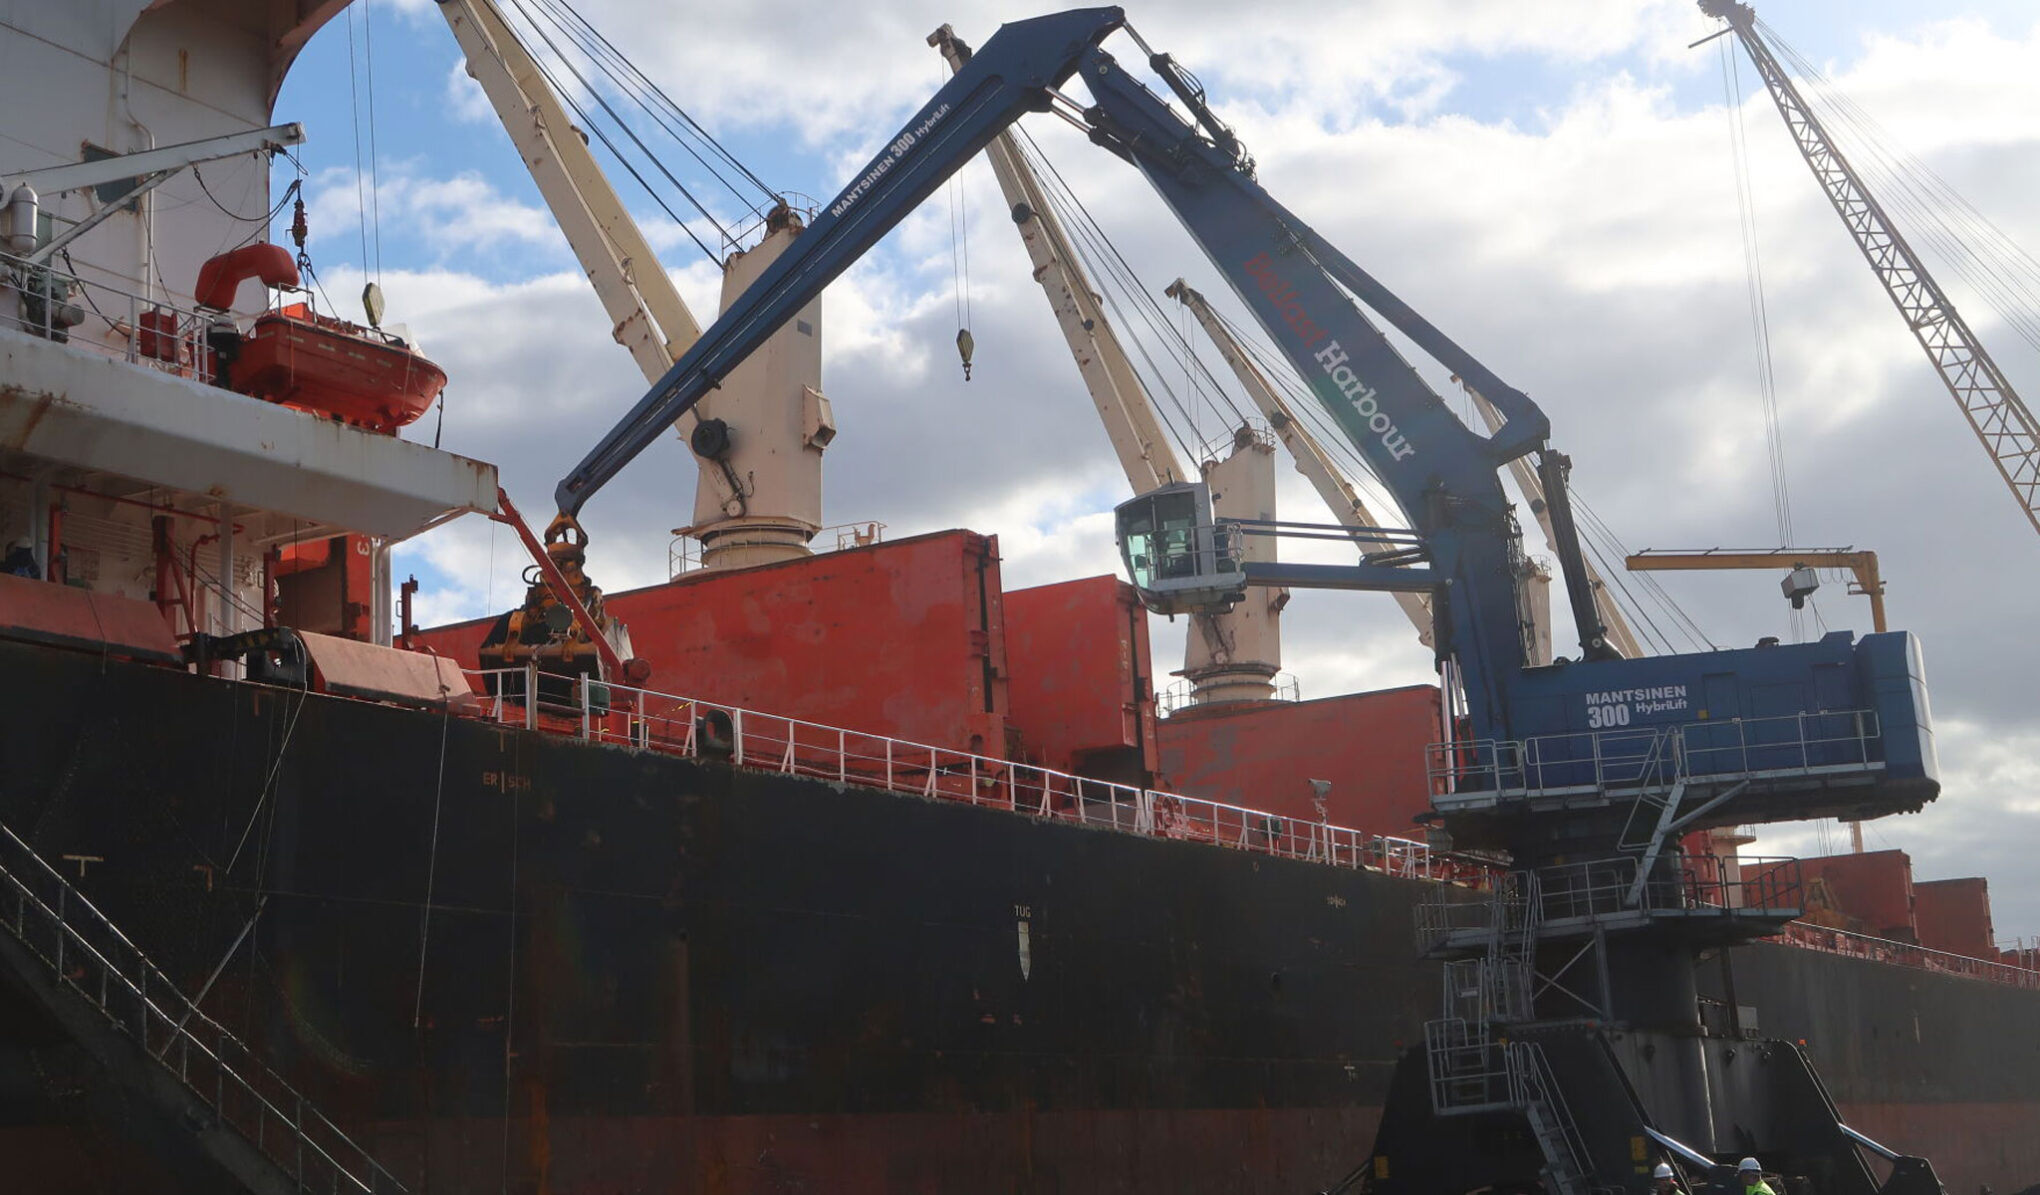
1664	1170
1747	1165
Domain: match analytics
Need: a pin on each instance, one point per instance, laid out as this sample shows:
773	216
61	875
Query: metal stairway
1537	1093
105	992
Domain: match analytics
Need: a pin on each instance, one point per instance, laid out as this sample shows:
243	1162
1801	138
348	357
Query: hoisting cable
1119	280
1760	322
374	167
582	115
1974	247
1610	553
639	87
959	271
354	115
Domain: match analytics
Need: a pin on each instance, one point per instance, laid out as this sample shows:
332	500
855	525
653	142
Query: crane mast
1995	412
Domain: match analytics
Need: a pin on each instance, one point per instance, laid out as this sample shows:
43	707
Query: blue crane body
1836	726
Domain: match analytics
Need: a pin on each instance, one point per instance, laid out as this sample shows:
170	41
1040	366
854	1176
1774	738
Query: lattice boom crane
1994	410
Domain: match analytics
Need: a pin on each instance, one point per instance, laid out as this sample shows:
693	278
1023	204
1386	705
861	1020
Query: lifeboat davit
294	356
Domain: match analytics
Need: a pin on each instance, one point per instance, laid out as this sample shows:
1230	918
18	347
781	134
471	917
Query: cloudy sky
1553	185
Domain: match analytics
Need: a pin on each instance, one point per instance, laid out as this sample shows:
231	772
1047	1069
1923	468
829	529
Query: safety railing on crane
87	955
1607	887
654	721
1648	757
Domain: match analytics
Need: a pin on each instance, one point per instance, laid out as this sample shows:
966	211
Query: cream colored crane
648	315
759	444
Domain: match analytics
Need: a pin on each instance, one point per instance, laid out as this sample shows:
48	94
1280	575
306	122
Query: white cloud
465	99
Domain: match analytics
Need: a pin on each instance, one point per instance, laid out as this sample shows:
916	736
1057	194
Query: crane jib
1329	355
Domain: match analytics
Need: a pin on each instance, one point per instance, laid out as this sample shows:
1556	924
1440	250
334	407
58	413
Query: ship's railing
1182	695
104	318
650	720
89	955
1840	941
1655	756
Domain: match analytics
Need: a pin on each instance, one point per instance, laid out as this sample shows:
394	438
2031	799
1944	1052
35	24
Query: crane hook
965	343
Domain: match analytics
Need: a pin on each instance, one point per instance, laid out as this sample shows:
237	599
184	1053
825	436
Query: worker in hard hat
1752	1176
1663	1181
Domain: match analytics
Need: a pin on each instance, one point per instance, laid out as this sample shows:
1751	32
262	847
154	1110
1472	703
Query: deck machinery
1573	1051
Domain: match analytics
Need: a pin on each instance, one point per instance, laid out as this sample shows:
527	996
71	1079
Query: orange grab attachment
220	277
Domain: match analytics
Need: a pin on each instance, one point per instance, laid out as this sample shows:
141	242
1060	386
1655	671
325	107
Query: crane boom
1311	461
646	312
1995	412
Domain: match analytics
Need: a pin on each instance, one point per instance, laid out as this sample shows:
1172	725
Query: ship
869	883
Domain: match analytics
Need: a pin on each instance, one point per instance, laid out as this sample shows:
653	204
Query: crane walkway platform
254	1129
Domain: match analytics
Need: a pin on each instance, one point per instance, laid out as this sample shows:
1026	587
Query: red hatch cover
63	616
351	668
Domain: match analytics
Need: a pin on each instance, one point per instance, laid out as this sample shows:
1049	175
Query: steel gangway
106	993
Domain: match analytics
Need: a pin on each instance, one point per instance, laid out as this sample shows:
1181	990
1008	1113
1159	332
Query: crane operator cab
1181	559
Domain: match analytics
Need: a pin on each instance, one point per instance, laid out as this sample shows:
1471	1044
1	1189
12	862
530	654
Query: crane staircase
250	1125
1479	1062
1526	972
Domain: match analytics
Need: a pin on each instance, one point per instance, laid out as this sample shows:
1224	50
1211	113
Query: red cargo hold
1954	915
903	639
1082	692
1370	746
1870	893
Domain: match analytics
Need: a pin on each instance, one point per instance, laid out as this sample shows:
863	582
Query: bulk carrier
841	871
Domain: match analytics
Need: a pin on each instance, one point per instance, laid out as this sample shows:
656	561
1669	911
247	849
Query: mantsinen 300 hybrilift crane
1587	773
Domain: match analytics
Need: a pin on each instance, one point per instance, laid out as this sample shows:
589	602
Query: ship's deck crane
759	451
1605	756
1996	413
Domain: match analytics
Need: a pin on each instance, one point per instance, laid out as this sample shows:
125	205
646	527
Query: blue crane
1587	772
1839	726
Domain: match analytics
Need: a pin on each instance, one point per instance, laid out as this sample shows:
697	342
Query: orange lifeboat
364	376
298	358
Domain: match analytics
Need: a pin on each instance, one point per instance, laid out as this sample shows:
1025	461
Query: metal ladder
1536	1091
102	987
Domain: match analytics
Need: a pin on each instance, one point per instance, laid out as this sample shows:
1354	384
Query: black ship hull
516	961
